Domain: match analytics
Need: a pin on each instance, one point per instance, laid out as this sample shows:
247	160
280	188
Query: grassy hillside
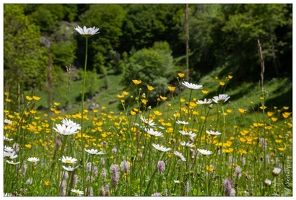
245	96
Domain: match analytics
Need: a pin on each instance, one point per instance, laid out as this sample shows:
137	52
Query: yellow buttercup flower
33	111
36	98
269	113
47	183
281	149
242	151
182	100
29	98
242	111
222	83
230	77
137	82
125	93
156	112
210	168
263	107
195	112
274	119
205	91
150	87
163	98
144	101
192	105
57	112
286	114
181	75
172	88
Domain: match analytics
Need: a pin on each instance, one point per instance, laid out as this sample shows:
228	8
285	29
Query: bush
154	67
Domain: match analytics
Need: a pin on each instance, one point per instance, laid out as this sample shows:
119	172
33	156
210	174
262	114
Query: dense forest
144	41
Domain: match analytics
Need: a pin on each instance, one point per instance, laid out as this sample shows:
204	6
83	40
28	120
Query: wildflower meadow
188	146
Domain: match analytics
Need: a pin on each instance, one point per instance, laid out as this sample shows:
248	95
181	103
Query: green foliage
116	63
24	57
109	18
221	36
63	53
49	16
250	22
226	35
146	23
154	67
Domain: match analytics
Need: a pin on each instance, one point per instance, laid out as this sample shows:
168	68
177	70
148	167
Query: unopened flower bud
161	166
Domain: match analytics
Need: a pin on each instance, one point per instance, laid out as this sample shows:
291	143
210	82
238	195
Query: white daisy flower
204	152
176	181
69	168
267	182
161	148
205	101
94	151
7	154
182	122
222	98
7	121
213	133
276	171
187	144
33	159
7	139
8	149
12	162
87	31
190	133
153	132
12	155
67	159
191	85
65	130
70	123
78	192
177	153
148	122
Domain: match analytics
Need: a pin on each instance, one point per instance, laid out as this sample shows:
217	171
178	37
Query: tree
50	16
108	17
24	57
145	24
226	36
154	67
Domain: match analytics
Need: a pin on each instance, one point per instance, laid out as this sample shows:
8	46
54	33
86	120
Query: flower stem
82	110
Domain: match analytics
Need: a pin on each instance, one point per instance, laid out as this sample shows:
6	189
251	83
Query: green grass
106	129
